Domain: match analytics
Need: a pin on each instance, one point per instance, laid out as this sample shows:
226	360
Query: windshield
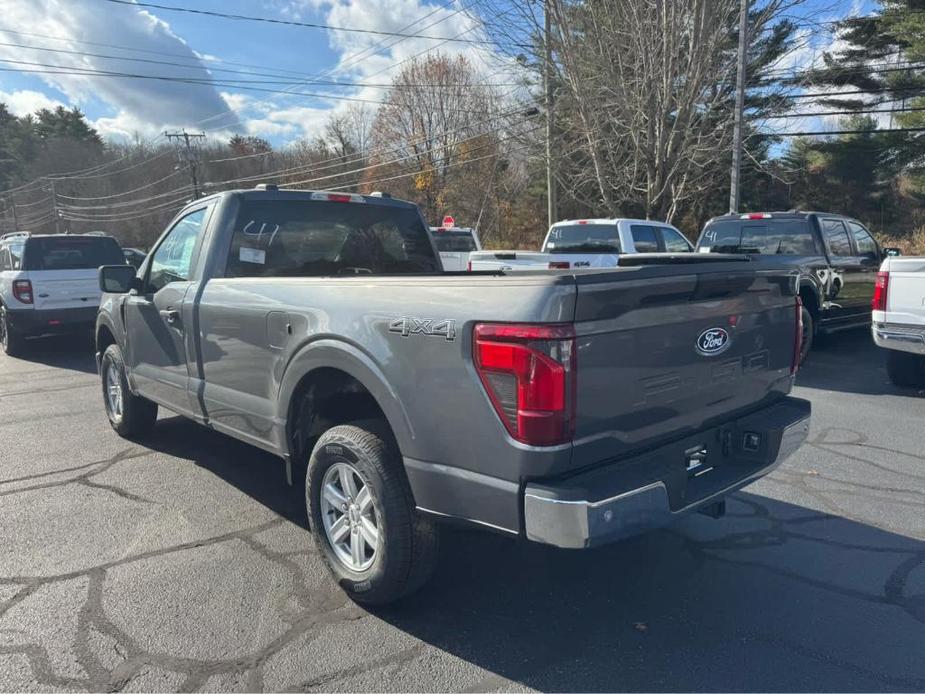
454	241
308	238
583	238
72	253
766	236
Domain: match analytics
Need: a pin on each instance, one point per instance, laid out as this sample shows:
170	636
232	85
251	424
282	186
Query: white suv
48	284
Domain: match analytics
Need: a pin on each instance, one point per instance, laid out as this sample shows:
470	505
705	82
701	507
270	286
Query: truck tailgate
63	289
663	354
906	294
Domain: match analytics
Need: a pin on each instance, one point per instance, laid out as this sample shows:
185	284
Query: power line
286	79
118	195
292	22
130	203
844	113
845	132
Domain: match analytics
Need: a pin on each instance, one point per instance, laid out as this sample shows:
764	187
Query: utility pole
740	106
13	210
54	205
188	155
550	115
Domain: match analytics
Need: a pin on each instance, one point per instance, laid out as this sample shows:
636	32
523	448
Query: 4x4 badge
424	326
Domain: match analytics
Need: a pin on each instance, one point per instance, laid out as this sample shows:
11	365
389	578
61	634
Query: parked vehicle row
587	244
588	406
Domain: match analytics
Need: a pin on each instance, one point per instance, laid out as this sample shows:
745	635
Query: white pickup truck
587	243
454	244
898	318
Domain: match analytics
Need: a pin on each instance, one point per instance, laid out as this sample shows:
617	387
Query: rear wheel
130	415
362	516
905	369
12	342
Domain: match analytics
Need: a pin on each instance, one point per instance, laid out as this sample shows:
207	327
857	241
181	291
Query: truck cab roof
268	192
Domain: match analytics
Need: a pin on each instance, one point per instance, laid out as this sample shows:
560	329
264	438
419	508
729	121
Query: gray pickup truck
570	409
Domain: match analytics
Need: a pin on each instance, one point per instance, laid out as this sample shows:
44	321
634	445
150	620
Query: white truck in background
587	243
898	318
454	244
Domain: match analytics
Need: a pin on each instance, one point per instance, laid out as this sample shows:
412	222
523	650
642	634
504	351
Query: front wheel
906	370
129	415
362	516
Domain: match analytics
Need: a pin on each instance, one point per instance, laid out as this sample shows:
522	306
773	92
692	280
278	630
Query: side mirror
118	279
892	252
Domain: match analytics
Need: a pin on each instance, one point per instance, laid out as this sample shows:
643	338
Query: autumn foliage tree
437	121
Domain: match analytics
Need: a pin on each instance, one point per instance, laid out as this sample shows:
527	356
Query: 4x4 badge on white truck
424	326
712	341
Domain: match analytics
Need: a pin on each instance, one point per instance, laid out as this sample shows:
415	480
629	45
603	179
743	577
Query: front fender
337	354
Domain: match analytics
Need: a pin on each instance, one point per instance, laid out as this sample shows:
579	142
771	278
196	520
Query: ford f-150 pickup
898	319
564	408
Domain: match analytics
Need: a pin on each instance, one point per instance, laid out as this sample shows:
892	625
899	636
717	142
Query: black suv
836	256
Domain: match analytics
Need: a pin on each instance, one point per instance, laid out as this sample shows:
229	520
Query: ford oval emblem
712	341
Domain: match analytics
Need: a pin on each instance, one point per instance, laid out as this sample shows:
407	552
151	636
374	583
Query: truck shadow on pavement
775	596
849	362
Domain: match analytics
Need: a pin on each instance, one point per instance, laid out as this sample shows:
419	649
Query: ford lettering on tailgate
712	341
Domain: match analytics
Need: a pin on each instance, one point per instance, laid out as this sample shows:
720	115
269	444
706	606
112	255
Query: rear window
308	238
767	236
583	238
454	241
72	253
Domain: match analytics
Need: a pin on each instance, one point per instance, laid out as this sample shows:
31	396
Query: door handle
171	315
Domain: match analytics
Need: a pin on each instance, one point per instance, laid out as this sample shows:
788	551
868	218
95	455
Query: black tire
13	343
906	370
809	333
137	414
407	547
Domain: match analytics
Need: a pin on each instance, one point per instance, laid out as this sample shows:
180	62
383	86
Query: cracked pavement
184	564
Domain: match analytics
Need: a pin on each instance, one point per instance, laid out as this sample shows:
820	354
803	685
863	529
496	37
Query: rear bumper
905	338
31	322
631	496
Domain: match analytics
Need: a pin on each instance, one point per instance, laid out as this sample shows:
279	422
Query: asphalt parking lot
185	564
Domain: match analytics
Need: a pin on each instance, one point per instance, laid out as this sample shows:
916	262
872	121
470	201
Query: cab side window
837	236
867	247
674	242
644	238
173	258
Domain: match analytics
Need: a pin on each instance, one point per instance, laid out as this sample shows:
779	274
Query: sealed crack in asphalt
98	468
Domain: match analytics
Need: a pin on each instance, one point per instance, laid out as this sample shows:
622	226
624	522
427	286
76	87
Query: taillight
469	266
558	265
529	373
22	290
797	338
881	288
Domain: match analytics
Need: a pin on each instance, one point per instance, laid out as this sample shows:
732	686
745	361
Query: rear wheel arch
809	295
332	384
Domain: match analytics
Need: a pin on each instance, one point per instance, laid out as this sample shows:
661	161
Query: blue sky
122	108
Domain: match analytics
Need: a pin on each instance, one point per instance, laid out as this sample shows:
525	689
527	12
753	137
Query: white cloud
25	101
145	103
